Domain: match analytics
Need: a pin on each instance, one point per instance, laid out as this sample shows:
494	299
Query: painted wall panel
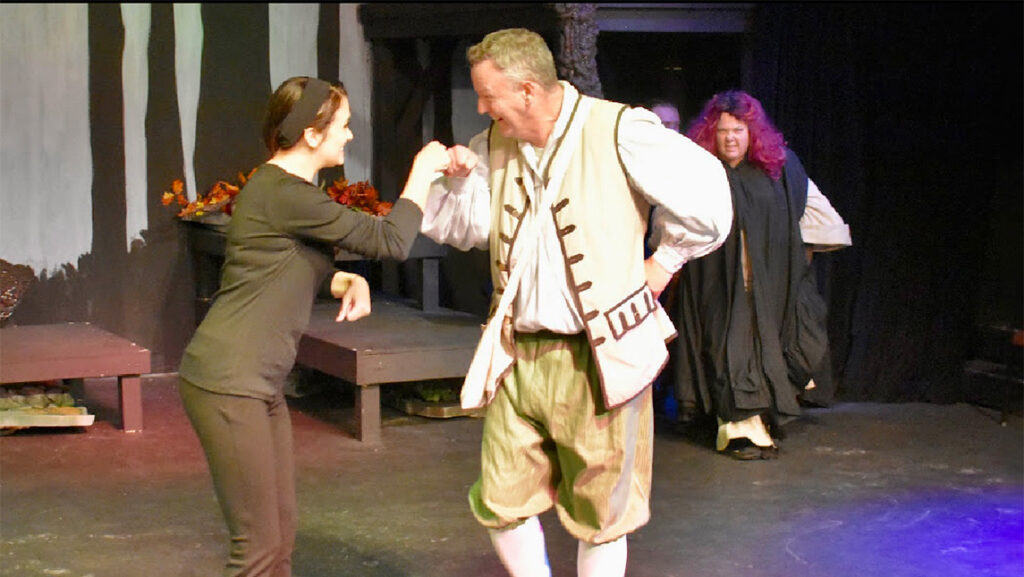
355	73
188	57
135	85
103	105
45	158
293	34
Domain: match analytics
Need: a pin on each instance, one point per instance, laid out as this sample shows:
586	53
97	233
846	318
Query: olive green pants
248	446
548	440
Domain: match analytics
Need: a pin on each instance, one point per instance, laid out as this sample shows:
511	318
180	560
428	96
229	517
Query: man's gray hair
520	53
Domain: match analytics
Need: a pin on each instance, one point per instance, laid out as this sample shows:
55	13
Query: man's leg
606	468
604	560
522	550
518	463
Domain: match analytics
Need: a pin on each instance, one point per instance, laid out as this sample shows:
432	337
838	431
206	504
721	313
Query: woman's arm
306	212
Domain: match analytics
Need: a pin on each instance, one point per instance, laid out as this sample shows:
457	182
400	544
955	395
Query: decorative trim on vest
618	154
629	313
561	137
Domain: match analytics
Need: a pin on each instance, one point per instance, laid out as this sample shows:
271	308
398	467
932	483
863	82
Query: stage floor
859	490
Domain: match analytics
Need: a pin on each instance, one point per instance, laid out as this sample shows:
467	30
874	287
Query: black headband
304	110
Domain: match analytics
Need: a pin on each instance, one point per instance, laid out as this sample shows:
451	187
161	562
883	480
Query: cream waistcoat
601	226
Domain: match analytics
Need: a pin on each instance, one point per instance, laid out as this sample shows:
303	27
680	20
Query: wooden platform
36	353
398	342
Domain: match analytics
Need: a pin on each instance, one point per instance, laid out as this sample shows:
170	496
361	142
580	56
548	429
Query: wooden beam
382	20
678	17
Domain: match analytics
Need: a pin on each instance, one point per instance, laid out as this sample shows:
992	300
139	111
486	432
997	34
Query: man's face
500	98
669	116
731	139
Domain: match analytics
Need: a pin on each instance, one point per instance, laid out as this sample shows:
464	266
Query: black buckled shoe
744	450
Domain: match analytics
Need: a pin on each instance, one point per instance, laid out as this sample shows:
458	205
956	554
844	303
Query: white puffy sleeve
458	209
686	184
821	226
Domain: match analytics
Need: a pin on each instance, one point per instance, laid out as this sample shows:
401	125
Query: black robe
743	353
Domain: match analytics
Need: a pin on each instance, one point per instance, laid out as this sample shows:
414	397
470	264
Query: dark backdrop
908	115
684	69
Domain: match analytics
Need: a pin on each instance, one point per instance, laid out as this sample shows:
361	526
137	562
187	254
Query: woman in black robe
751	322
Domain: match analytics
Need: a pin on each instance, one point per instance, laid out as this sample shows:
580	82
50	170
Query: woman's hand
354	292
430	161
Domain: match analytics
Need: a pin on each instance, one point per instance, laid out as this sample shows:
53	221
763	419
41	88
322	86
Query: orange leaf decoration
361	196
220	197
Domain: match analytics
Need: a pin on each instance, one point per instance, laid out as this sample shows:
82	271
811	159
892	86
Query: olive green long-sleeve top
279	250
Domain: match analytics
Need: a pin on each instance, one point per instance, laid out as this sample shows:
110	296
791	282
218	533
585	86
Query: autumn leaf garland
219	198
361	196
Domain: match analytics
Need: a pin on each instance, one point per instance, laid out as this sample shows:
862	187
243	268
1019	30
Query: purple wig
767	149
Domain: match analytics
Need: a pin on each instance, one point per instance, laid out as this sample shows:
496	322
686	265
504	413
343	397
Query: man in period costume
559	189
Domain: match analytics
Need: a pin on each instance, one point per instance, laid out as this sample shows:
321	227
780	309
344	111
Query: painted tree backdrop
105	104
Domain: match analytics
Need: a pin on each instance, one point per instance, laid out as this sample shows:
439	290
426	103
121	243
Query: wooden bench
397	343
36	353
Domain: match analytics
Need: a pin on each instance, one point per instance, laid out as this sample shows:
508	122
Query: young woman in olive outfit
279	250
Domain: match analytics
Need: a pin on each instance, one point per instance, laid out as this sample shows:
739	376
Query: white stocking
604	560
522	549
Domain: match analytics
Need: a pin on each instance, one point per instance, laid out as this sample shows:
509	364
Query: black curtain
908	117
